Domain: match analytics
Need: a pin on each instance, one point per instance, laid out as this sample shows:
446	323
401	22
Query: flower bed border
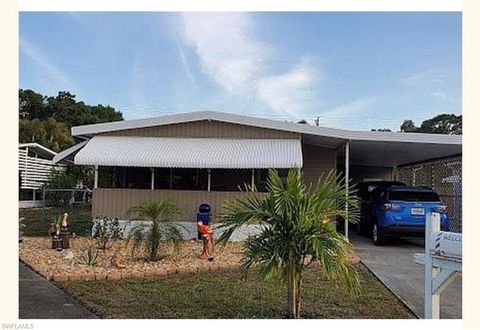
122	274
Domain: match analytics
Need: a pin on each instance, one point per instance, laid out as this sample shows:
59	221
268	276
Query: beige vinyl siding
115	203
207	129
316	160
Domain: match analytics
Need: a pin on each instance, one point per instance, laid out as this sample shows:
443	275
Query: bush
106	230
60	180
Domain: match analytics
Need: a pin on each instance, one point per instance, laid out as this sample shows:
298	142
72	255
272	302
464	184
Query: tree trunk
292	289
298	296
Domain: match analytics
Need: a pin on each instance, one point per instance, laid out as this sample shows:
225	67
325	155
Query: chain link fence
445	176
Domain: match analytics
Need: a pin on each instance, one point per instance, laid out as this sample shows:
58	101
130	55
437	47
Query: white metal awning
190	152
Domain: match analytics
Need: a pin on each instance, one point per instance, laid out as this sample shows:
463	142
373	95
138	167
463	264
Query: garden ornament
64	220
117	261
206	232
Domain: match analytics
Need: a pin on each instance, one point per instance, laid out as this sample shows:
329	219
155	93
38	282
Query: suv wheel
377	236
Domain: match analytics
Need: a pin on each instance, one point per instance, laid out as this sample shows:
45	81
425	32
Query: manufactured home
206	156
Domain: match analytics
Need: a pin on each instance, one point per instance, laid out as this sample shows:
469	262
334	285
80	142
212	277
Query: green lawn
226	295
37	221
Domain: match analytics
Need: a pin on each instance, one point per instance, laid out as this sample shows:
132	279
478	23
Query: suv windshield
413	196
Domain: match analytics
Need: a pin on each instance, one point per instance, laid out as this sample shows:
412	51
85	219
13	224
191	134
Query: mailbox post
442	260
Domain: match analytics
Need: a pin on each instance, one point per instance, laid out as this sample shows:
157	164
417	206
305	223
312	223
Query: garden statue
117	261
206	232
64	220
65	233
56	240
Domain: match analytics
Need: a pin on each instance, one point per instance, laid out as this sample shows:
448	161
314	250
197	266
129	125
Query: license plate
418	211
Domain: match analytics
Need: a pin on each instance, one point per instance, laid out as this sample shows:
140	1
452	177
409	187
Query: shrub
159	215
89	256
106	230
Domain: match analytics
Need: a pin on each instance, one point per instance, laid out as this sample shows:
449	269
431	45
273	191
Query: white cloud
234	57
441	95
227	51
428	76
185	65
288	92
341	115
53	73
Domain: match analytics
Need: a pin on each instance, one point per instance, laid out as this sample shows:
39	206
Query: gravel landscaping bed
67	265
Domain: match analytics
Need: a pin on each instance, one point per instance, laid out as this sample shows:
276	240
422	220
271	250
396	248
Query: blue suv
399	211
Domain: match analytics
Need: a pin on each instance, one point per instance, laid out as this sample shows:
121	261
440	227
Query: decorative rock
160	273
65	267
137	275
89	277
37	253
100	277
74	277
203	268
60	278
213	268
149	273
126	275
114	276
172	271
69	255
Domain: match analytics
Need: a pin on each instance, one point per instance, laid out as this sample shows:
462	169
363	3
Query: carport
365	156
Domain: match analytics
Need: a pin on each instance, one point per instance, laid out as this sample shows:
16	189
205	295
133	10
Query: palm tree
32	130
159	227
297	228
58	134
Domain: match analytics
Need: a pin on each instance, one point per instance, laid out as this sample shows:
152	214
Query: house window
261	178
230	179
124	177
189	179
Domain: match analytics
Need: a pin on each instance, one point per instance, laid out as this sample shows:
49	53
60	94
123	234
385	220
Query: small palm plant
159	227
297	228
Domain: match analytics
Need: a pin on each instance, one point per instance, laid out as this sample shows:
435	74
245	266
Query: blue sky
353	70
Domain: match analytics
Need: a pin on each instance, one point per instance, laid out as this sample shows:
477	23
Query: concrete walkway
40	299
393	265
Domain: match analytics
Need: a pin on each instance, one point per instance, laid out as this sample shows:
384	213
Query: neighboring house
205	156
35	167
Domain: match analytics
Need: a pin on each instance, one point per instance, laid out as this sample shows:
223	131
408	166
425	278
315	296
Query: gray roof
87	131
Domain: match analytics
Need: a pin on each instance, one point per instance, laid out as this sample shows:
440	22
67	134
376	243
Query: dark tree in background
47	120
441	124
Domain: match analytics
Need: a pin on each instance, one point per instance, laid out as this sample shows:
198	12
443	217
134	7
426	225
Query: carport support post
152	181
253	179
95	182
209	182
432	300
347	178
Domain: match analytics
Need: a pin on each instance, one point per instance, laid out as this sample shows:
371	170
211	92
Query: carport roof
366	148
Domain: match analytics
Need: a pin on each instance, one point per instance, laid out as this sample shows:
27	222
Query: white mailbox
442	260
446	244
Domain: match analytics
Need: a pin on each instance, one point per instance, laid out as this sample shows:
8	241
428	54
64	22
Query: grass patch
37	220
227	295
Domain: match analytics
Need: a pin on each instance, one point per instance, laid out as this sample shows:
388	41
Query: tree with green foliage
297	228
159	226
440	124
64	108
47	120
